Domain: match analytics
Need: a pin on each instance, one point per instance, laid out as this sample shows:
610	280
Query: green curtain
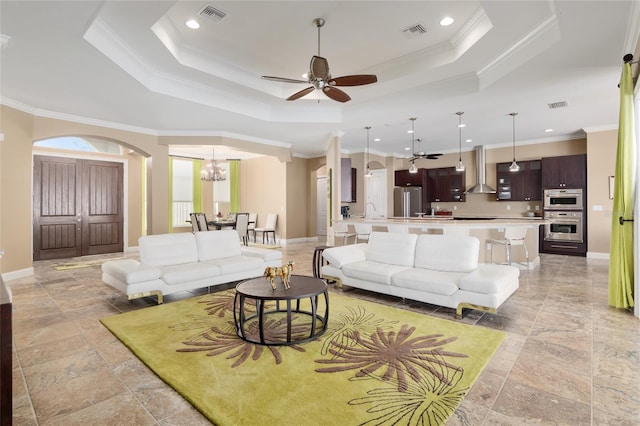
197	186
234	186
621	252
170	194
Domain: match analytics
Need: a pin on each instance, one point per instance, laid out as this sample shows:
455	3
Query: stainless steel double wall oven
564	209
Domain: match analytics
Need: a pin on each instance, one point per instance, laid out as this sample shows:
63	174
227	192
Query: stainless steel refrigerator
407	201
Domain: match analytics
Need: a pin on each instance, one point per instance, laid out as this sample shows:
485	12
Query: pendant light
514	166
366	159
211	171
460	167
413	168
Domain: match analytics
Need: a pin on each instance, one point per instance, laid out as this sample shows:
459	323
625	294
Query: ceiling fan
419	154
320	78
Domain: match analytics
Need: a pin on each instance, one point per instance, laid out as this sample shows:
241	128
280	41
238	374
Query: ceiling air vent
415	31
555	105
211	13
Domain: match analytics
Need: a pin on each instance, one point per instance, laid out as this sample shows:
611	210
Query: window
182	191
85	144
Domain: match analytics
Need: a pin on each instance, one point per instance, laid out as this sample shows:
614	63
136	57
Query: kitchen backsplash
486	205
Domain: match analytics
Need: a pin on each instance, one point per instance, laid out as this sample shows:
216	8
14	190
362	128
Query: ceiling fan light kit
418	154
320	78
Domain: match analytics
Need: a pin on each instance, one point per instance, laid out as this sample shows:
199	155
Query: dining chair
242	227
341	229
269	228
253	219
363	231
513	236
198	222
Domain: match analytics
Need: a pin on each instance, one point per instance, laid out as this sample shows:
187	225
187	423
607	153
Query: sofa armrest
342	255
267	255
130	271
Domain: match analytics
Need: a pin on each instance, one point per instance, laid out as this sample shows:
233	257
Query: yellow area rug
375	364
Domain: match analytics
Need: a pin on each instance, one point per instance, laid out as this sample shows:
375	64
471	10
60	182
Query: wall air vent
415	30
212	14
561	104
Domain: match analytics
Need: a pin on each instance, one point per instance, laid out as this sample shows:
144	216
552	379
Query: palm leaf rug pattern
390	371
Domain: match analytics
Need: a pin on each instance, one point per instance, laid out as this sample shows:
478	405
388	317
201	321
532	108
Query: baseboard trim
595	255
14	275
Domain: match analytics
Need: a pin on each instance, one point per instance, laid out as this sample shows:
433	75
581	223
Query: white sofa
439	269
170	263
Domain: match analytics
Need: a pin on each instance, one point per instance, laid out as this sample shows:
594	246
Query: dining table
222	223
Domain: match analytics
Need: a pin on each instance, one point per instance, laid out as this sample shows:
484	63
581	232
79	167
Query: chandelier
211	171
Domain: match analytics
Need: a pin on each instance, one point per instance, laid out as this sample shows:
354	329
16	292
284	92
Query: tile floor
568	359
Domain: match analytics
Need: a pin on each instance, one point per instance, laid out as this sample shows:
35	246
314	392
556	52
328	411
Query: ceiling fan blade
284	80
354	80
301	93
319	68
336	94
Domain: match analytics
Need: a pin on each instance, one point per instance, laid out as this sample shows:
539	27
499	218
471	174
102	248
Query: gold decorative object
283	271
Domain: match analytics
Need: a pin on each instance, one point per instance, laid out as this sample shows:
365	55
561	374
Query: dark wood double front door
77	207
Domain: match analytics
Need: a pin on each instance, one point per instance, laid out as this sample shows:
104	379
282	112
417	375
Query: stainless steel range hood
481	176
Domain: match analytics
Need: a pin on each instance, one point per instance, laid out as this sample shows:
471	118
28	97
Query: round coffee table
296	322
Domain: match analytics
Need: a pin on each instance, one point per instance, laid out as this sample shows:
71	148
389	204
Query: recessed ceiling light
469	140
407	149
548	130
447	20
462	125
409	131
193	24
376	139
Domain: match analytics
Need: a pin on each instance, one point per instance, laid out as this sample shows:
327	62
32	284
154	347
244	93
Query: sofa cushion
130	271
427	280
372	271
451	253
179	274
267	255
340	256
392	248
489	278
168	249
217	244
234	264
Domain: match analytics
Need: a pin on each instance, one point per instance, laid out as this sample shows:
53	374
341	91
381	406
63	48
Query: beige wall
15	189
297	198
601	163
263	192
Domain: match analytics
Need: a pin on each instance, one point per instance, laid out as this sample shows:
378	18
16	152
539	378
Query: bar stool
513	236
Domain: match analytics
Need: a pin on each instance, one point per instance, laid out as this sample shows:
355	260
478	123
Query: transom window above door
77	143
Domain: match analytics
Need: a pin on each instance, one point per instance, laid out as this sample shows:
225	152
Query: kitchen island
485	228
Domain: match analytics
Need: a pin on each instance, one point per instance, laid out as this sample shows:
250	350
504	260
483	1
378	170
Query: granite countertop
453	221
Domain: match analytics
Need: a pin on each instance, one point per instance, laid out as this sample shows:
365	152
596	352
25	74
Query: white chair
269	228
341	229
253	219
513	236
242	227
363	231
